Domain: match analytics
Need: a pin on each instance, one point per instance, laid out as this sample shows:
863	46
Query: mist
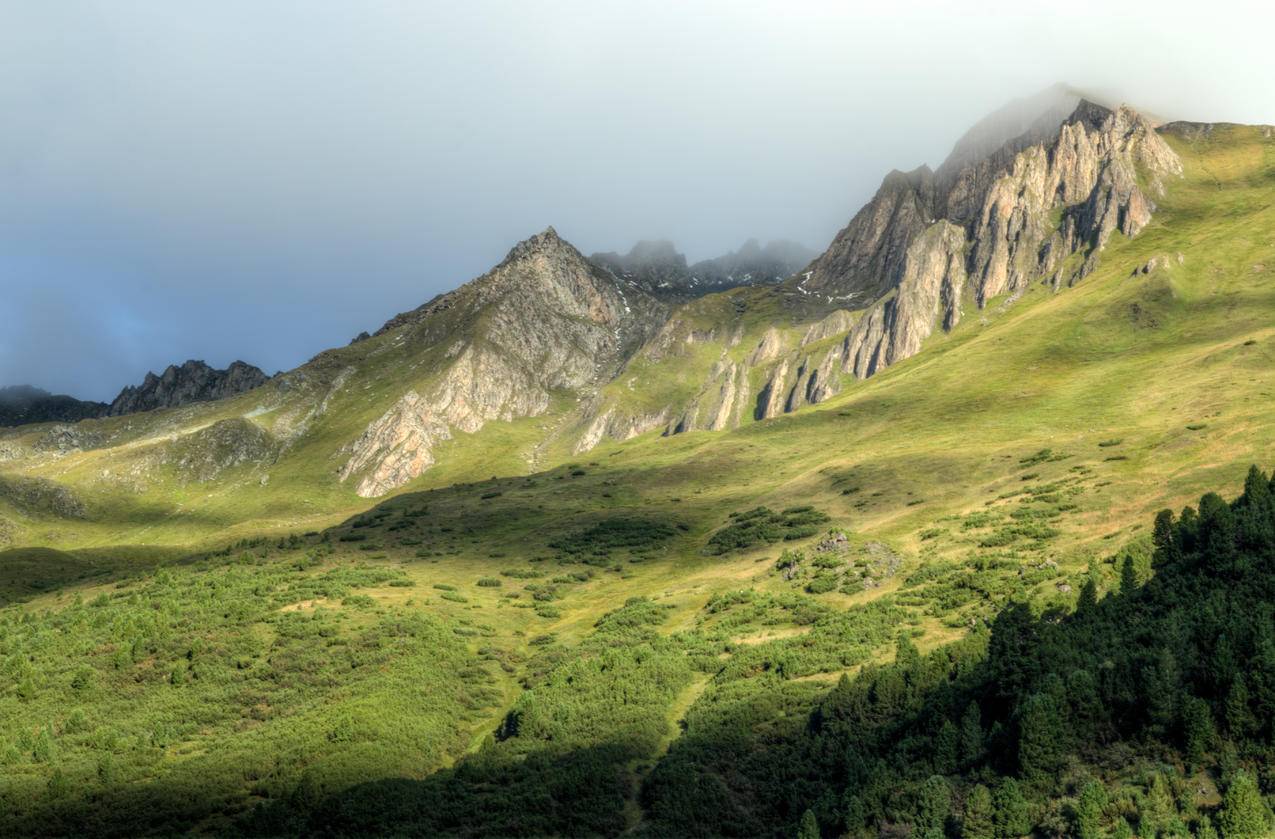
263	181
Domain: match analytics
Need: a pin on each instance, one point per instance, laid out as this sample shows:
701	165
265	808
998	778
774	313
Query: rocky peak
545	241
659	269
988	222
1014	126
192	381
544	321
653	265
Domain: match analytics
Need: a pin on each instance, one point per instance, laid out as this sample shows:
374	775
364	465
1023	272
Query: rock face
657	268
24	404
543	321
1030	195
193	381
990	225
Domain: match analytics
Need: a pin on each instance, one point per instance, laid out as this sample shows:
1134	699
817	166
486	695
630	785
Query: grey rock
917	246
657	268
544	320
193	381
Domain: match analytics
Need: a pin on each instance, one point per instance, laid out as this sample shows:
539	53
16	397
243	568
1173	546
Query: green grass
987	464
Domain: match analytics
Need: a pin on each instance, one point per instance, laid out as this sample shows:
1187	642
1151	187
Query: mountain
544	321
1039	209
23	404
192	381
658	269
739	565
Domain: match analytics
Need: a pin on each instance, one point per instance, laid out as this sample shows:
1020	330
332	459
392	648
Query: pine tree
1256	512
1128	577
971	735
1088	811
1197	729
1042	737
1009	809
947	748
1217	533
808	827
906	655
933	805
1088	599
1244	814
978	823
1238	715
1162	536
1205	829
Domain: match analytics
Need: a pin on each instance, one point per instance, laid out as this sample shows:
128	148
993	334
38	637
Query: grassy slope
1146	390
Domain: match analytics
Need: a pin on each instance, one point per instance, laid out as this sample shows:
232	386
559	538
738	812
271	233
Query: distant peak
546	241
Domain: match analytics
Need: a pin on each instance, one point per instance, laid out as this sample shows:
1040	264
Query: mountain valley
618	545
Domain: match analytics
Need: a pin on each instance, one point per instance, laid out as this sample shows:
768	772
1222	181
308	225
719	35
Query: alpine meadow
960	526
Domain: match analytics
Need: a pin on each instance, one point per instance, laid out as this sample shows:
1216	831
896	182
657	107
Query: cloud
238	179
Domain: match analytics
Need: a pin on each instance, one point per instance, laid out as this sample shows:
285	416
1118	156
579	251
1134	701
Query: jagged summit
981	225
656	266
192	381
544	321
547	239
1020	122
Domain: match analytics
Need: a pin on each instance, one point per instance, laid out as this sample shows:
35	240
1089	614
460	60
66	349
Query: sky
226	179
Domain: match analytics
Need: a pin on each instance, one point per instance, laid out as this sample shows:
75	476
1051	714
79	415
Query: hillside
24	404
618	601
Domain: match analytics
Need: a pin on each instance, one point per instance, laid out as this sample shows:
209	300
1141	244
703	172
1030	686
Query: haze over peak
342	188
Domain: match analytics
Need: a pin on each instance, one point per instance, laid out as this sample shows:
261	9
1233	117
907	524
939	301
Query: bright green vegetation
761	526
691	635
178	698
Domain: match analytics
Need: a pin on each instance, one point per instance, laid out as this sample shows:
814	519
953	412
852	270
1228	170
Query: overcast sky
225	179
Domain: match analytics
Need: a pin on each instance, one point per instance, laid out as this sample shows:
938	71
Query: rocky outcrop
837	323
768	348
657	268
720	404
544	320
41	497
193	381
24	404
989	225
928	295
612	425
397	447
206	454
773	395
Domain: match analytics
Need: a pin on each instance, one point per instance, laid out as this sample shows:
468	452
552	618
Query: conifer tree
1162	535
933	805
1009	810
978	823
1244	814
1041	737
1128	577
1238	715
1088	810
1197	729
808	828
971	734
